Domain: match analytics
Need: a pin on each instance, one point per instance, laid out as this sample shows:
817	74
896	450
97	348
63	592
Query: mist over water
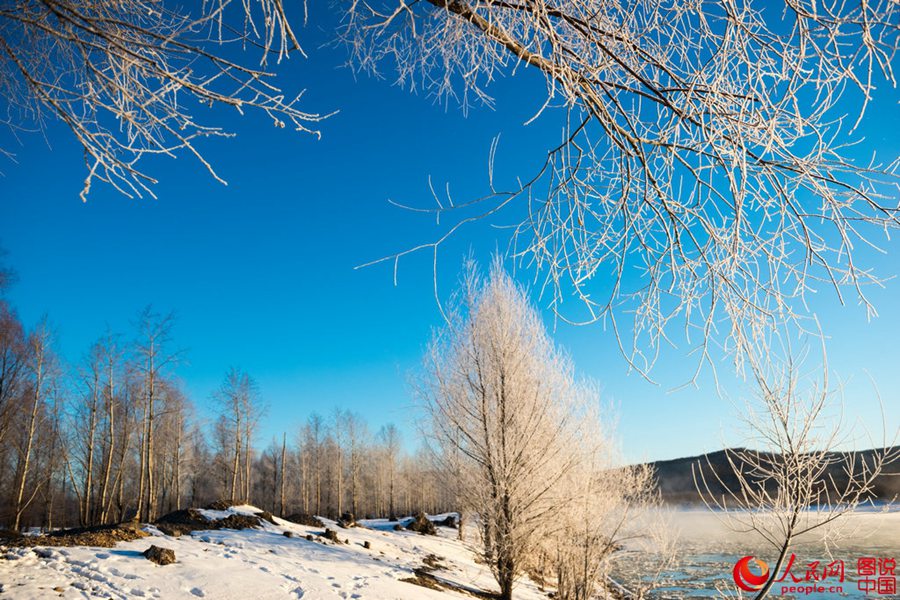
707	550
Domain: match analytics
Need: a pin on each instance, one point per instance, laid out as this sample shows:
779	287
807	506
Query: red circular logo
746	579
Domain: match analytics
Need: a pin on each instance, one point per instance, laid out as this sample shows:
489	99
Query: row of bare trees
115	437
338	465
329	466
92	442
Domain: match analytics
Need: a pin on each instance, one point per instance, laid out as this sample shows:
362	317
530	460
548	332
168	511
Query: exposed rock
367	545
161	556
218	505
289	534
398	527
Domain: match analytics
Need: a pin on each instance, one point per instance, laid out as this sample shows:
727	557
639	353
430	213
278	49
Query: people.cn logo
746	579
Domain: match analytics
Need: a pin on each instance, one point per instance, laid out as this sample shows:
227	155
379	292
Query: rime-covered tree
504	401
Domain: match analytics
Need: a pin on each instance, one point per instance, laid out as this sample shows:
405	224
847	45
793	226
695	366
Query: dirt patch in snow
104	536
432	562
305	519
266	516
185	521
423	577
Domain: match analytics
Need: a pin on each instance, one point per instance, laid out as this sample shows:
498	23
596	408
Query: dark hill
675	478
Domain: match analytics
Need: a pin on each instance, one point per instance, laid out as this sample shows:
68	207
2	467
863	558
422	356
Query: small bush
421	524
449	521
347	520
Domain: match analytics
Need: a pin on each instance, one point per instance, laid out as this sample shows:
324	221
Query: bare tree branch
131	78
705	174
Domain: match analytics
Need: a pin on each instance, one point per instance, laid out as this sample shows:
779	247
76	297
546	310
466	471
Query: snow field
253	564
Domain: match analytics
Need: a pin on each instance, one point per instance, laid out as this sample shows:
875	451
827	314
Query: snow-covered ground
253	564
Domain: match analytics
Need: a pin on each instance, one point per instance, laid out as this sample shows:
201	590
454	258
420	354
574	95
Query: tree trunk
32	423
151	488
283	455
111	442
391	512
142	466
236	461
177	466
318	484
247	453
340	482
87	517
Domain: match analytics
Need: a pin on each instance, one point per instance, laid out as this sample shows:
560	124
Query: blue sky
261	272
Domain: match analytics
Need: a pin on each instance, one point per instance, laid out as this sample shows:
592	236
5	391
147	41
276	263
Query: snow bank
259	563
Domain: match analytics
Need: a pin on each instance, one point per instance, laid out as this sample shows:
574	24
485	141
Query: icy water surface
708	551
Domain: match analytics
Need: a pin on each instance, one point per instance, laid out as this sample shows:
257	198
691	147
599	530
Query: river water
707	550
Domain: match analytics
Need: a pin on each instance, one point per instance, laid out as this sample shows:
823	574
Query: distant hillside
676	480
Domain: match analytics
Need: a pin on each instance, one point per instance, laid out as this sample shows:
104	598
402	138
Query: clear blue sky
261	272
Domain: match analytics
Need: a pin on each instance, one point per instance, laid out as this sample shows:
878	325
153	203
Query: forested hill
676	480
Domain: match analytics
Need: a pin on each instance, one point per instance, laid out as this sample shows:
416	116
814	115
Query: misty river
865	547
